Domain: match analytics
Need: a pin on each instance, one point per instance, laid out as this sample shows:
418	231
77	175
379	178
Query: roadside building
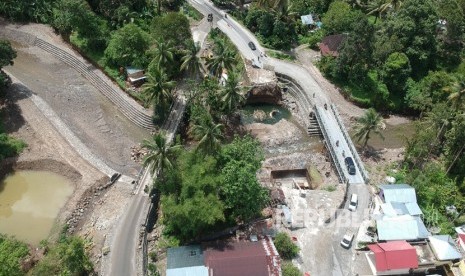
401	217
243	258
392	258
226	258
444	248
186	260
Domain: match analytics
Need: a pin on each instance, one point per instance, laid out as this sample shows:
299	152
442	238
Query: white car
347	240
353	202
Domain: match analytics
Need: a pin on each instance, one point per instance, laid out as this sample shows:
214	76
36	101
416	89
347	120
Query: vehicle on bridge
350	165
252	46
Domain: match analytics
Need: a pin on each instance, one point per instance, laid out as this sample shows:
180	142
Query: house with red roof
392	258
225	258
329	45
243	258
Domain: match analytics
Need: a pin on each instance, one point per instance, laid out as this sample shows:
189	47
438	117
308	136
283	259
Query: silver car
347	240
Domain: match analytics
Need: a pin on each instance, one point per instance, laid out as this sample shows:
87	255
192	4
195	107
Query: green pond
263	113
30	202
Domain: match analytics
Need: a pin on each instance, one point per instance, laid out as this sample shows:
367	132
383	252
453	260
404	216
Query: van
353	202
350	165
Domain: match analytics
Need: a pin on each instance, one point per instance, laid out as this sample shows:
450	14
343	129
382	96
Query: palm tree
224	59
160	154
231	94
457	94
209	135
377	7
190	60
158	88
369	122
163	53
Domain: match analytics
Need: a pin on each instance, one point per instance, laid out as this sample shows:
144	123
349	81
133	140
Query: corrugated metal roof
394	255
398	193
413	209
188	271
401	228
444	247
243	258
307	19
184	256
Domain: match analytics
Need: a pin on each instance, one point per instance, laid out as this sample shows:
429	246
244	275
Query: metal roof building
402	193
186	261
444	247
243	258
404	227
395	257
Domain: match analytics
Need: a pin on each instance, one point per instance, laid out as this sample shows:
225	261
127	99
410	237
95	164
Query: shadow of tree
10	112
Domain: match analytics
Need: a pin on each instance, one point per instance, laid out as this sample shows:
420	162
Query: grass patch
189	11
315	176
280	55
330	188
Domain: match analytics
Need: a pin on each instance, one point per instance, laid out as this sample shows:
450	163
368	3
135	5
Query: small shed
444	248
307	19
392	258
135	76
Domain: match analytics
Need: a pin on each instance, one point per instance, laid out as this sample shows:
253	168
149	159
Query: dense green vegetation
66	257
204	190
9	146
12	252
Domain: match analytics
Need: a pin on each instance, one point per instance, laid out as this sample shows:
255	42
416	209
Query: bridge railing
342	176
352	149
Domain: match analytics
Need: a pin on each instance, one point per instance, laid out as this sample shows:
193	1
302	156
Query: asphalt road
341	260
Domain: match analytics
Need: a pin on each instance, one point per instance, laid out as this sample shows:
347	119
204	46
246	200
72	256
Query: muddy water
395	136
30	202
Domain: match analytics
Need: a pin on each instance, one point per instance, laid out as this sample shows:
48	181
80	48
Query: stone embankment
129	107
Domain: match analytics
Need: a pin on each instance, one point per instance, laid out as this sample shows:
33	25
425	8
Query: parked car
346	241
252	46
350	165
353	202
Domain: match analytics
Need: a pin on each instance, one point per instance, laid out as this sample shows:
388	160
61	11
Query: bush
290	270
11	254
9	146
312	39
286	248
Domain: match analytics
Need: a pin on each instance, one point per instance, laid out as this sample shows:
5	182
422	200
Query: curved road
338	261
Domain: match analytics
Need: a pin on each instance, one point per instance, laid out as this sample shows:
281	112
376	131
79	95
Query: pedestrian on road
337	143
225	15
326	106
258	58
313	95
343	153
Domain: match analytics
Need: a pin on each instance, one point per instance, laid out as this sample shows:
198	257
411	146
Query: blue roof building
185	261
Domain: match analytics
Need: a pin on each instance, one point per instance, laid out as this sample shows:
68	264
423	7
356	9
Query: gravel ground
79	122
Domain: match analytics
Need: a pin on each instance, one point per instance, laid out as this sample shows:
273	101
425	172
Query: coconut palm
457	94
231	94
369	122
163	53
160	154
377	8
158	88
209	135
224	59
190	60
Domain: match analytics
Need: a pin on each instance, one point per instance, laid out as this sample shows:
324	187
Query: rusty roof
243	258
